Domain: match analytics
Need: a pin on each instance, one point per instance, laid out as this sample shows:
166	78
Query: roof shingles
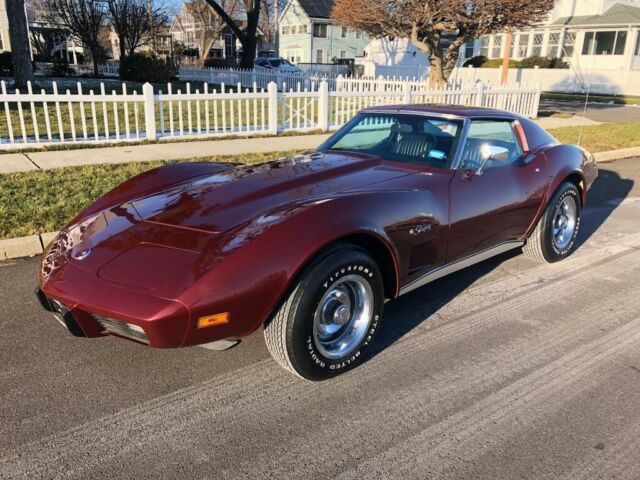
618	14
317	8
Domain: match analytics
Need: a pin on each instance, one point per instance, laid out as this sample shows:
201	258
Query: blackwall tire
330	317
555	235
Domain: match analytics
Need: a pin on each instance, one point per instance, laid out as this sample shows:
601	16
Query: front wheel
330	317
555	235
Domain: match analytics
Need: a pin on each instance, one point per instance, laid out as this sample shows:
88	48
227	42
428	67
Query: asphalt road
510	369
599	112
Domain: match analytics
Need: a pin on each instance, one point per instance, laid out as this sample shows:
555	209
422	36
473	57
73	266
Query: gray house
308	35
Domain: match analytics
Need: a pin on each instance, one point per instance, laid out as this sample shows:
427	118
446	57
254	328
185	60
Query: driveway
510	369
599	112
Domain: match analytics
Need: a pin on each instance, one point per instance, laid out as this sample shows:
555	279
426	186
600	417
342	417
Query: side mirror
492	152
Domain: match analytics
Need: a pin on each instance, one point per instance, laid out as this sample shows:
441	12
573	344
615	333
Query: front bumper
97	309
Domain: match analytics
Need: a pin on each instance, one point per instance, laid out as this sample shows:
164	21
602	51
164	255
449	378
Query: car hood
228	199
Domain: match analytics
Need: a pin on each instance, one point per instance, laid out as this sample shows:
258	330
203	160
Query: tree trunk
123	50
437	78
94	57
249	52
19	38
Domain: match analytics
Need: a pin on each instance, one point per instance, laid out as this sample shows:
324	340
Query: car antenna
586	87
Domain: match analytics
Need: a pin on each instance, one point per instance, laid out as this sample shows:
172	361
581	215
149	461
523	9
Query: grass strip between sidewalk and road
601	138
45	200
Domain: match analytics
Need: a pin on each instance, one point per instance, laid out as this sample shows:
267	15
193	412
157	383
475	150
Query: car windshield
276	62
403	138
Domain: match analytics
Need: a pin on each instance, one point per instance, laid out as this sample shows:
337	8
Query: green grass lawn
578	97
43	201
600	138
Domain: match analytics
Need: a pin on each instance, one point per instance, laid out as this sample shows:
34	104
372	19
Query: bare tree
136	23
248	36
431	23
267	20
80	19
207	23
19	38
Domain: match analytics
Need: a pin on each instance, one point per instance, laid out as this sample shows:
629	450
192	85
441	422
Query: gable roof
317	8
618	14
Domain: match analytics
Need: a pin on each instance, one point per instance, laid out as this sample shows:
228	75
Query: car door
496	202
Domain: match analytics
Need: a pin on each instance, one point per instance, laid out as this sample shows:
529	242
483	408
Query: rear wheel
330	317
554	237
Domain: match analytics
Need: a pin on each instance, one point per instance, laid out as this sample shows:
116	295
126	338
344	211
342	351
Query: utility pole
276	22
506	57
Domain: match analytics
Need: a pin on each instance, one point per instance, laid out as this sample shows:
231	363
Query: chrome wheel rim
343	316
564	222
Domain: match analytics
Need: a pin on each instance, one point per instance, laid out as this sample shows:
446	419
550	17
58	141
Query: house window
302	28
343	54
523	45
358	34
538	39
294	55
468	49
344	32
320	30
320	56
497	46
568	44
621	42
553	44
484	46
637	51
604	43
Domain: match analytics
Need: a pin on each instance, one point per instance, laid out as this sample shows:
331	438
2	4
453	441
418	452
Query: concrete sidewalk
45	160
23	162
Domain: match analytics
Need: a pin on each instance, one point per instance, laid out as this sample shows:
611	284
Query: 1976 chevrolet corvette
310	247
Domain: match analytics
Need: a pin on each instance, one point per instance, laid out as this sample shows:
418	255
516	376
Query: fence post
406	92
323	106
536	102
149	111
480	94
272	89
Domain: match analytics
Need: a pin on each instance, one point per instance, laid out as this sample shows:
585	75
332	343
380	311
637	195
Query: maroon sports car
310	247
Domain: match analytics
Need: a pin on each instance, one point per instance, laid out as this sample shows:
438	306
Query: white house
603	34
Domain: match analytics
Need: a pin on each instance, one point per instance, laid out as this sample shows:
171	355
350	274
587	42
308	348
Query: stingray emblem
80	253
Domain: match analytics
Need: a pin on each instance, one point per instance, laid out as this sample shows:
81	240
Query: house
39	29
308	35
199	28
161	46
603	34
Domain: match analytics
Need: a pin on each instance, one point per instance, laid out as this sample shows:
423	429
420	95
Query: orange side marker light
213	320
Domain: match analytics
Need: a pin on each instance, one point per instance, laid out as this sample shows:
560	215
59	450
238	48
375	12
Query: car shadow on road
406	313
605	195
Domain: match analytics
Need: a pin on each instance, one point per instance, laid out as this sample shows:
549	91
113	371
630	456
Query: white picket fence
30	118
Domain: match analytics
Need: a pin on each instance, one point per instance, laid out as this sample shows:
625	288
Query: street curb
35	244
20	247
617	154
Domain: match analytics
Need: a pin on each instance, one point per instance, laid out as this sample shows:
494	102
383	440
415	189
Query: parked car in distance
278	64
310	247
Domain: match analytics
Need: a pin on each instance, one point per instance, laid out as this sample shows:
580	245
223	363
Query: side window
489	132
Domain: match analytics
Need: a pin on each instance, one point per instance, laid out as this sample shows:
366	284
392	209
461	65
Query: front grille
121	328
